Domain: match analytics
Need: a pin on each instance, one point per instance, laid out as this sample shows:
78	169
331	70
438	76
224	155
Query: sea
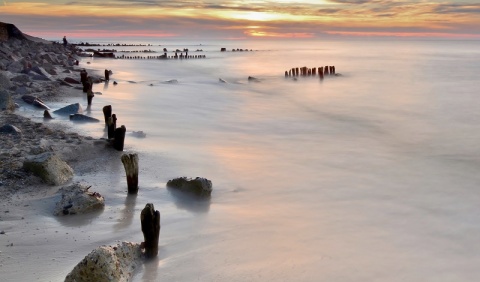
371	174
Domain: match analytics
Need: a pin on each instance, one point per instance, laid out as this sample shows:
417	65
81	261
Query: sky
238	19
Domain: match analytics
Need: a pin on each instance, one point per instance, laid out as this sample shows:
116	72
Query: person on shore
65	42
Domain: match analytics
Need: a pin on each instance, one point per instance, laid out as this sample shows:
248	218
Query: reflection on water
77	220
127	213
189	201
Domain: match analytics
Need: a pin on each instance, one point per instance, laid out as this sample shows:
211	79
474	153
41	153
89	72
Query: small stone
2	232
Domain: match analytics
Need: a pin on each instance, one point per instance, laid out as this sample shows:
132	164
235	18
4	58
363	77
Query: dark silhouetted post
320	73
90	96
119	138
326	70
111	126
107	75
107	112
333	70
286	73
150	220
130	163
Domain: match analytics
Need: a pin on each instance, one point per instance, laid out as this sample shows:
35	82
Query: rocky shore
19	61
43	71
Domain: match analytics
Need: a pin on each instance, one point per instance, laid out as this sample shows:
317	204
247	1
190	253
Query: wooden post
90	96
119	138
107	75
107	112
320	73
326	70
150	220
296	72
286	73
111	126
314	71
333	70
130	163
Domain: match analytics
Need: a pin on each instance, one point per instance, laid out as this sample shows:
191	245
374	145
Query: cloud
232	18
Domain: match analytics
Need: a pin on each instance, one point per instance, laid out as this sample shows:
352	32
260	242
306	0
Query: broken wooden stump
107	112
90	96
119	138
111	126
130	163
150	220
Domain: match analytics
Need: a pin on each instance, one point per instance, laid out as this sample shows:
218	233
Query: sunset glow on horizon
235	18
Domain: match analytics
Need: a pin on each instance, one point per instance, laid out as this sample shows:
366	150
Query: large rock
6	102
10	129
108	263
82	118
70	110
42	72
15	67
199	186
49	167
23	78
5	81
76	199
71	80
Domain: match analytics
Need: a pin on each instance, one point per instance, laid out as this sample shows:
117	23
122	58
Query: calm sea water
367	176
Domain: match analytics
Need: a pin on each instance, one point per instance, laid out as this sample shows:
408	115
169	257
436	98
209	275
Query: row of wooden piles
162	57
149	217
305	71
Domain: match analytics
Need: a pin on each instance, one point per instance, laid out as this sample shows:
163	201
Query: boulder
22	90
6	102
108	263
199	186
15	67
22	78
49	167
71	80
42	72
5	81
76	199
37	102
83	118
70	110
10	129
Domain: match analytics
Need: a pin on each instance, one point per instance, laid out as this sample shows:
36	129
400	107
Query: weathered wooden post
333	70
111	126
107	112
314	71
119	138
296	72
90	96
326	70
286	73
130	163
150	220
320	73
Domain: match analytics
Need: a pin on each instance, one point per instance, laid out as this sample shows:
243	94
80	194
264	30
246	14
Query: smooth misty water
369	176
